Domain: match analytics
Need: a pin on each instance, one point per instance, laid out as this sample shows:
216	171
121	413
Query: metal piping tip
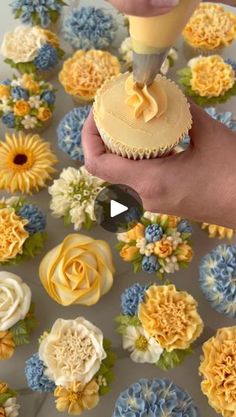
147	66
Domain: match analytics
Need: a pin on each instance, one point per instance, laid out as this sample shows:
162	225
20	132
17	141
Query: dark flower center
20	159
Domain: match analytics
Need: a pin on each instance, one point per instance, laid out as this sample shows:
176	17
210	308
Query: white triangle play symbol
117	208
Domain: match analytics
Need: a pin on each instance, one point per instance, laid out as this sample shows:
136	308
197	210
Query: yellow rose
137	232
13	235
52	38
186	252
44	114
30	84
21	108
77	271
163	248
4	91
7	345
77	399
128	253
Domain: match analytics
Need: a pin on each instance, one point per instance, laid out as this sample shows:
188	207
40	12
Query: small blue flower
37	380
150	264
69	132
9	120
184	226
223	117
155	398
36	218
30	9
89	28
131	298
153	233
19	93
47	58
7	81
49	97
134	214
232	63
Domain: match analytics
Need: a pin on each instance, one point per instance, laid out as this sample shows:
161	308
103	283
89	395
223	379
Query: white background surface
127	372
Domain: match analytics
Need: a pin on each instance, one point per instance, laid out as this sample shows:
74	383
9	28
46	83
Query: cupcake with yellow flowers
158	324
8	402
32	50
219	232
85	72
209	80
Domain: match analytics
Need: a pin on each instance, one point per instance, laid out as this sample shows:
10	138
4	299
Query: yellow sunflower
26	163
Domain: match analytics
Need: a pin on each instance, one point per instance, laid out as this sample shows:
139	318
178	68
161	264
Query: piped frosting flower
13	234
37	12
8	402
218	231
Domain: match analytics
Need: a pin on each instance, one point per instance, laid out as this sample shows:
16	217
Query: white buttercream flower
151	216
73	351
15	299
23	43
171	265
143	348
4	105
123	237
29	122
35	102
141	244
175	239
11	407
126	51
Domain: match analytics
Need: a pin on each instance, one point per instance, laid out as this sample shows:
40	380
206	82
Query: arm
144	7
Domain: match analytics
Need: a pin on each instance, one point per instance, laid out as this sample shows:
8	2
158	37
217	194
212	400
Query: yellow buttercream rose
7	345
52	38
128	253
77	399
77	271
4	91
30	84
163	248
137	232
44	114
21	108
13	234
185	252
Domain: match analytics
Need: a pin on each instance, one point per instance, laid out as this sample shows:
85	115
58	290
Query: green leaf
60	53
67	218
88	223
36	19
19	204
53	15
169	360
125	321
120	245
185	236
137	267
5	396
30	319
183	264
145	222
18	13
106	369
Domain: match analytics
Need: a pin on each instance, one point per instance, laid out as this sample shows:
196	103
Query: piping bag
152	38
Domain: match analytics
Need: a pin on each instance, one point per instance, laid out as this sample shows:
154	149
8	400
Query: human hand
228	2
198	184
144	7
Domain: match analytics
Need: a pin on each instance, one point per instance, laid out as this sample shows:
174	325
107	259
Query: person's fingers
92	144
144	7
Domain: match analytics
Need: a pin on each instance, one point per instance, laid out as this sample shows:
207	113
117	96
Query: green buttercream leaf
145	222
23	67
5	396
18	13
169	360
183	264
67	218
185	236
120	245
88	223
60	53
19	204
36	18
32	247
125	321
30	319
23	328
53	15
106	370
137	267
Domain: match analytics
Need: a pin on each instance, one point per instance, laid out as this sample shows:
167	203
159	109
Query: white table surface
102	314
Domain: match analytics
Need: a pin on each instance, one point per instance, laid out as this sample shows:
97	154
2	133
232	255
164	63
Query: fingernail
164	3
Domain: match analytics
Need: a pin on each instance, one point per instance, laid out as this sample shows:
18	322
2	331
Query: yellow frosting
7	348
77	271
218	231
13	234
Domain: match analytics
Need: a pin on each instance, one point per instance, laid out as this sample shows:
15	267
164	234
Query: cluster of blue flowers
155	398
40	12
69	132
36	218
89	28
35	375
131	298
217	272
47	58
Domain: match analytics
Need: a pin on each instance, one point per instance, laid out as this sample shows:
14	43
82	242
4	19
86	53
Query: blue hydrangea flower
184	226
9	120
37	219
49	97
69	132
155	398
30	9
217	272
153	233
47	58
19	93
223	117
7	81
89	28
150	264
232	63
37	380
131	298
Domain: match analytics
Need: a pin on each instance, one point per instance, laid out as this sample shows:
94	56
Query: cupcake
208	80
85	72
32	50
220	232
89	28
69	132
78	271
158	244
26	163
8	402
210	29
155	397
22	230
73	197
44	13
217	279
141	123
217	368
77	373
17	318
26	103
158	324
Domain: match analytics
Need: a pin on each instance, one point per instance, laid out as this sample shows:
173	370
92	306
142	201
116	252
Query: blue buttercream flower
36	218
7	81
35	375
184	226
232	63
37	11
223	117
153	233
155	398
19	93
131	298
69	132
217	273
89	28
49	97
9	120
150	264
47	58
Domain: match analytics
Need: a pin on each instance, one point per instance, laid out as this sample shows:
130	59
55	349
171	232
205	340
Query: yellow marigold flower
163	248
211	76
21	108
7	345
137	232
218	231
26	163
52	38
218	369
128	253
3	387
13	234
30	84
44	114
78	398
170	316
4	91
185	252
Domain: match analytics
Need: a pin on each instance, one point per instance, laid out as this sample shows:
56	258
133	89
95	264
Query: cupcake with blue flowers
217	272
89	28
32	50
69	132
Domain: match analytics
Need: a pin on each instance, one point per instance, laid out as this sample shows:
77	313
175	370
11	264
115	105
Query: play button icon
118	208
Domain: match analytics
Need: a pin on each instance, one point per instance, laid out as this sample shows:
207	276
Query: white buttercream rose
22	44
73	351
15	300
